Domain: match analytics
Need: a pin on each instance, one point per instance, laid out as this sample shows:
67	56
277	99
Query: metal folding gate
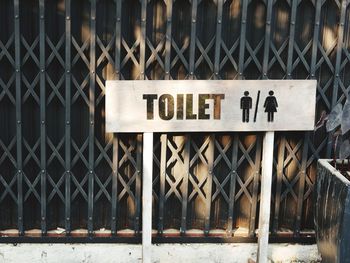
61	174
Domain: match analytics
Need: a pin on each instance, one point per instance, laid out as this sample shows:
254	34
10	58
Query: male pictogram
270	106
246	105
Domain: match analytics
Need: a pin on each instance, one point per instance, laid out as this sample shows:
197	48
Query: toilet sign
214	105
209	106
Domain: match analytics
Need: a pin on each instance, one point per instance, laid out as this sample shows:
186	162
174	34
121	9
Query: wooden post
147	196
265	197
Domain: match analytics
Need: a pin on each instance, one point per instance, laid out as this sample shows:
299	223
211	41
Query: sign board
210	105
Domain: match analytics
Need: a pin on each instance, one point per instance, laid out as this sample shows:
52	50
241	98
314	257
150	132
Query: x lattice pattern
60	170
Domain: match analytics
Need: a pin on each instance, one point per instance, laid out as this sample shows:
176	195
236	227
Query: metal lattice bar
138	183
67	117
242	39
344	4
193	39
42	116
18	119
302	179
315	38
115	137
169	13
162	175
209	183
344	56
233	180
184	185
92	115
280	166
256	174
143	39
142	64
114	201
267	38
218	39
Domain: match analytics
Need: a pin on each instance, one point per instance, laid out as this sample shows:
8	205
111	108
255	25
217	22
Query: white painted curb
124	253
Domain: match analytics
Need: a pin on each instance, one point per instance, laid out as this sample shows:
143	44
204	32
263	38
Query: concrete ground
201	253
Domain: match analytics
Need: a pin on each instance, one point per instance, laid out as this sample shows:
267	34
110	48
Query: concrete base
103	253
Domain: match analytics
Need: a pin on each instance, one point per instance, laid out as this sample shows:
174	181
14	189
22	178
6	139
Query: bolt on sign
210	105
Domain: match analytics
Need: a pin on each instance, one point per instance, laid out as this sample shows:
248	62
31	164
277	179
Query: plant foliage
338	125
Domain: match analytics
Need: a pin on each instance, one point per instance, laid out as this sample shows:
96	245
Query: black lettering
166	107
150	106
180	107
217	105
202	106
189	108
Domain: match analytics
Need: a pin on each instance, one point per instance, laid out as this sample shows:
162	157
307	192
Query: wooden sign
210	105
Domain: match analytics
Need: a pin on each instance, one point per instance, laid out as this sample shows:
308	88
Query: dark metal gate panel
61	174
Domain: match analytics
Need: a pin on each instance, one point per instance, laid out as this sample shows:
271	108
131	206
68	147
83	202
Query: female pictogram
270	106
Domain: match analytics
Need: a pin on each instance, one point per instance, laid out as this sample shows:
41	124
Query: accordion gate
61	174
